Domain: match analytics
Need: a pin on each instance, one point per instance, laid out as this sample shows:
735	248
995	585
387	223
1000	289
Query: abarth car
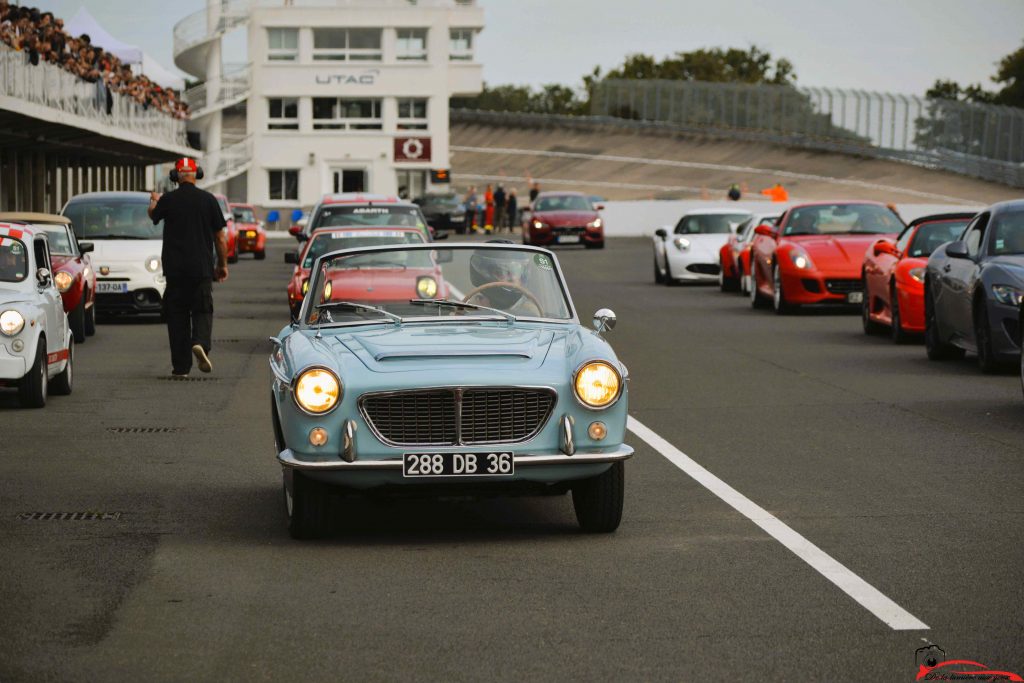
252	236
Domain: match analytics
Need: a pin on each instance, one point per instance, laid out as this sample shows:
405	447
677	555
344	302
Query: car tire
76	321
659	278
779	303
33	386
307	507
871	328
726	284
64	382
937	349
669	281
598	500
90	320
987	362
899	335
260	255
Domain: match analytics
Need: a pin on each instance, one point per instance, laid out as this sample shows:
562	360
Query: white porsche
689	251
129	273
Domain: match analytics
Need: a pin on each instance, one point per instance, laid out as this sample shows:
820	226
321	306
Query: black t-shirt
191	218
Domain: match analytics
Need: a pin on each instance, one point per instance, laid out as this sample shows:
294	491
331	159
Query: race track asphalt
908	473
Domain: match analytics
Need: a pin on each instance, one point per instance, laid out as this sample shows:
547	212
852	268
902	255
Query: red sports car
734	256
563	218
893	274
252	238
372	281
815	254
231	230
72	266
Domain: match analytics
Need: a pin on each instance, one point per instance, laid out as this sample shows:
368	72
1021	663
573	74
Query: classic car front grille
843	286
457	416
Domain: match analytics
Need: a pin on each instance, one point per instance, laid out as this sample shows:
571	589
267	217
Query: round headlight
426	287
597	384
63	281
153	264
317	391
11	323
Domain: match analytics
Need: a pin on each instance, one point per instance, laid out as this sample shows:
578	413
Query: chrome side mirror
604	320
43	277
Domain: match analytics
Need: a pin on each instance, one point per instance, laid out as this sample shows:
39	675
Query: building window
333	113
460	47
282	44
284	184
283	114
412	114
347	44
412	45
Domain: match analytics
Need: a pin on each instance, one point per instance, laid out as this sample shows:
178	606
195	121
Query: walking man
499	207
193	228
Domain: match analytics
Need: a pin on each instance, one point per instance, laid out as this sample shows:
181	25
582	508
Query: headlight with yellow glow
305	286
63	281
317	391
426	287
11	323
597	384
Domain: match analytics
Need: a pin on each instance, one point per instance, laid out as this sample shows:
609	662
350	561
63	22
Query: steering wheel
511	285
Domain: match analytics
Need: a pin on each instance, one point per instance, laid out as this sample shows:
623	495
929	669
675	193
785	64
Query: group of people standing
499	209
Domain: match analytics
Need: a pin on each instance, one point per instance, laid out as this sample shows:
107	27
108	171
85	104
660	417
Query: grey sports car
973	290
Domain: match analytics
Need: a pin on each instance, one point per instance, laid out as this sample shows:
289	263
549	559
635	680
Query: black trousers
188	308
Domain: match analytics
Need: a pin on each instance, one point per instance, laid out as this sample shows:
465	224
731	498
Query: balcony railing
225	163
232	87
53	87
195	29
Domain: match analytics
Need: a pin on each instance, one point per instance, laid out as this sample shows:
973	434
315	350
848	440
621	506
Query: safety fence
984	141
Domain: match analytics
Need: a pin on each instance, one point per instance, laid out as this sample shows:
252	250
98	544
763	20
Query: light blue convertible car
456	370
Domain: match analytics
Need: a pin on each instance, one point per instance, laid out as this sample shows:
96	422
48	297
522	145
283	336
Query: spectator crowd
42	38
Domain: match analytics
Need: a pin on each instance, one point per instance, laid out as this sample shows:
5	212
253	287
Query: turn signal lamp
597	384
597	431
317	391
317	436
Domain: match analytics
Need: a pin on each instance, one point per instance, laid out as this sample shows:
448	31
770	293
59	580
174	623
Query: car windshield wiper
398	320
462	304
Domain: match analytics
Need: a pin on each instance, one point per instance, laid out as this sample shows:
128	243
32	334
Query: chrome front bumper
622	452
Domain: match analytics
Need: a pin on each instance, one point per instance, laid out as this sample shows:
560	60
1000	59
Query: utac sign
412	149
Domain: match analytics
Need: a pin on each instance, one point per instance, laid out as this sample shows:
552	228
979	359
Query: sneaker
202	360
179	374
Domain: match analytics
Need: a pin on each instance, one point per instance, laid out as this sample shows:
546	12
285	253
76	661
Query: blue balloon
273	217
296	215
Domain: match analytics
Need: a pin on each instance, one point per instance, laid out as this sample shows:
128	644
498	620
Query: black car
443	211
973	289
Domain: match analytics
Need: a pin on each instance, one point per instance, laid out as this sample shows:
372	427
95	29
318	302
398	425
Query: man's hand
220	273
154	197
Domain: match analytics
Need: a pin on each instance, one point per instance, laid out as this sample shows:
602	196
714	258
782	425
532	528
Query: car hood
1013	263
122	251
12	293
558	219
843	252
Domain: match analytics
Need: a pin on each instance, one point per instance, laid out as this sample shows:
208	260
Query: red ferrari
734	256
893	274
815	254
563	218
371	281
252	238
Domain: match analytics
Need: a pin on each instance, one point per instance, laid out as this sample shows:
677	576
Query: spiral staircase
197	51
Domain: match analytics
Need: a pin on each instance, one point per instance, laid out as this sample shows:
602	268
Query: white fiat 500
126	256
689	251
36	347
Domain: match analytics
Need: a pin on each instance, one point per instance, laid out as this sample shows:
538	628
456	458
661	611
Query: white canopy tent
84	22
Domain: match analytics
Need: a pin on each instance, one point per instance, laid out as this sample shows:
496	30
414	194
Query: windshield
381	215
60	243
931	236
243	215
710	224
511	280
97	219
326	242
837	219
563	202
13	260
1008	234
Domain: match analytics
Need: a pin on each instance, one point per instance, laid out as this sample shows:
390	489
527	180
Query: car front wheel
933	344
90	320
306	504
598	500
32	387
64	382
983	339
76	319
899	335
779	303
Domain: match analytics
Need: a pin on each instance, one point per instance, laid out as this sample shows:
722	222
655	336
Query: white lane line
857	588
673	163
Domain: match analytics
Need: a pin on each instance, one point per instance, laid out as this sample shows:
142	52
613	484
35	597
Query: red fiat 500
893	274
563	218
252	238
815	254
72	266
372	281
